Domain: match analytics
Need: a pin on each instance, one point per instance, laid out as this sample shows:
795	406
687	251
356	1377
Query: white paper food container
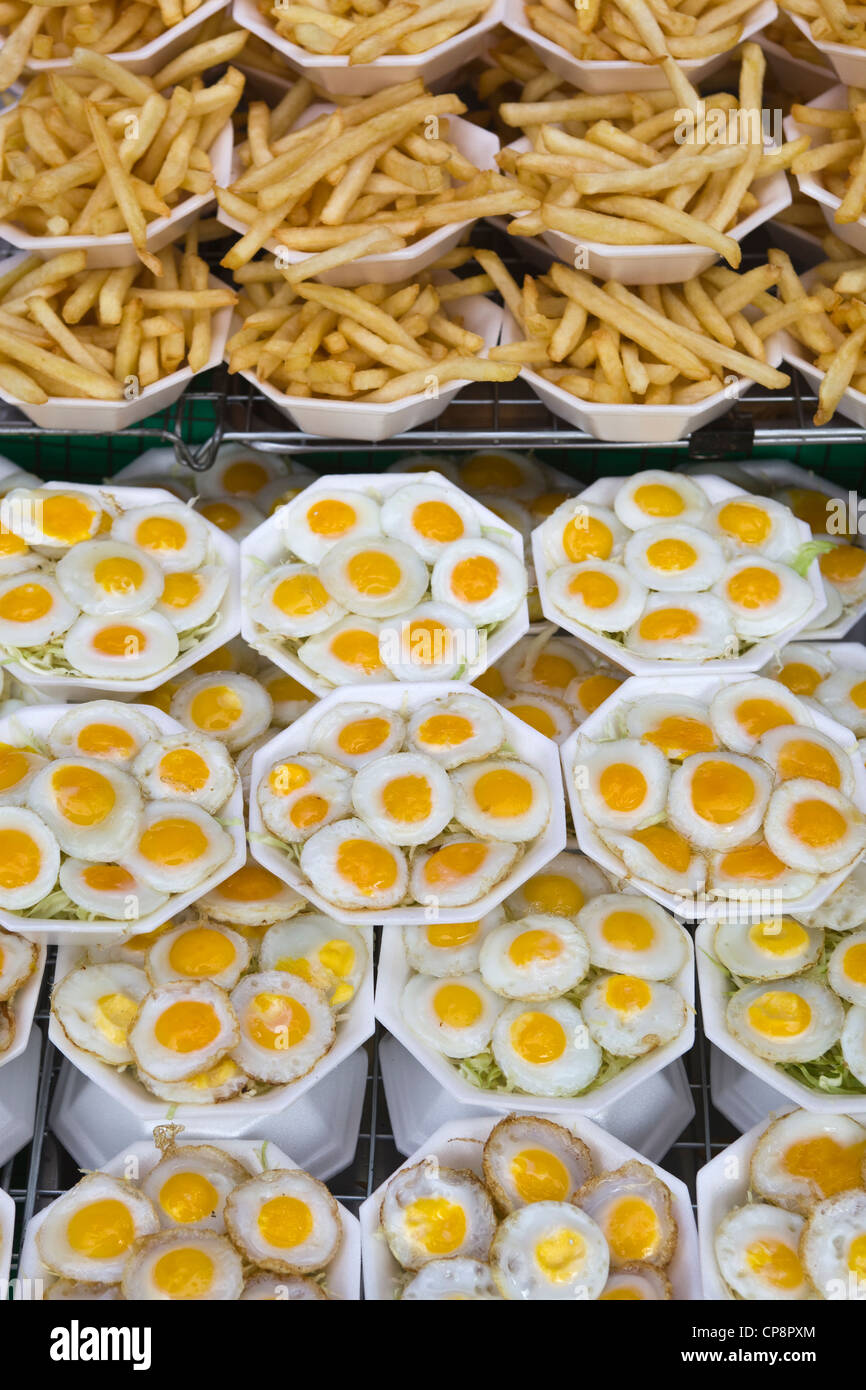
153	56
7	1234
117	248
601	493
393	975
39	720
479	146
848	61
652	264
267	547
635	424
69	413
460	1145
339	78
622	76
343	1274
795	75
812	185
23	1008
693	907
356	1026
59	687
526	744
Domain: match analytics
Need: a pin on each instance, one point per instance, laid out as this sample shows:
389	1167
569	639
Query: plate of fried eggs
662	572
22	965
365	578
400	804
220	1221
570	993
107	590
782	1212
718	797
112	817
233	1011
528	1207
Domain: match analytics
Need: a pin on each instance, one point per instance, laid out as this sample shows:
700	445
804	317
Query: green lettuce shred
807	553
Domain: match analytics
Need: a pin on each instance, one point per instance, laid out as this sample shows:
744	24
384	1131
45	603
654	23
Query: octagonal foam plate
24	1007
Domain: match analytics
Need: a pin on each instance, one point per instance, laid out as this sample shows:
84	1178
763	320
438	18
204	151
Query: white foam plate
848	62
18	1098
804	80
23	1007
742	1098
812	185
153	56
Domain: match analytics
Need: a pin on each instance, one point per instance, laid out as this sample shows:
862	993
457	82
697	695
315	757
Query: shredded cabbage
807	553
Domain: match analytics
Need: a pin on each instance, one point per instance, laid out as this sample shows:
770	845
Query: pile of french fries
652	345
104	335
55	28
840	162
831	21
785	33
364	30
377	343
834	337
95	149
641	31
382	164
646	168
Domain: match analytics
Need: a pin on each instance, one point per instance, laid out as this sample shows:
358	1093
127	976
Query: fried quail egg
634	1210
104	577
109	890
120	648
15	554
538	957
17	962
292	601
853	1042
660	855
286	1026
774	949
800	667
73	1290
33	610
763	596
673	558
429	518
238	471
621	784
96	1006
52	520
18	767
550	1251
844	695
654	496
225	705
189	1266
454	1015
688	627
501	470
406	798
313	524
718	800
743	712
452	1281
546	665
459	870
189	599
198	950
755	874
354	734
431	1212
562	887
846	972
544	713
481	579
234	516
585	694
675	724
509	510
301	794
629	934
182	1029
600	594
448	948
578	531
504	799
545	1049
102	729
177	846
833	1246
630	1016
635	1283
434	641
221	1082
189	1186
284	1220
290	699
530	1159
846	906
169	533
251	897
845	568
816	508
813	827
352	867
756	525
347	654
320	951
801	1159
456	730
791	1020
186	767
282	1288
90	1232
757	1251
796	752
92	807
440	464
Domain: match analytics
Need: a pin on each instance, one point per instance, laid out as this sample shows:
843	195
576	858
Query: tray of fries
844	44
840	379
835	156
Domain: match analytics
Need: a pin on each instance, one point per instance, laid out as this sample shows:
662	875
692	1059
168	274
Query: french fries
640	31
95	150
104	334
376	343
834	339
839	162
364	30
384	162
674	344
786	34
53	30
643	169
830	21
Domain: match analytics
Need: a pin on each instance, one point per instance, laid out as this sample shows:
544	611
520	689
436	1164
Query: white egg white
356	733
